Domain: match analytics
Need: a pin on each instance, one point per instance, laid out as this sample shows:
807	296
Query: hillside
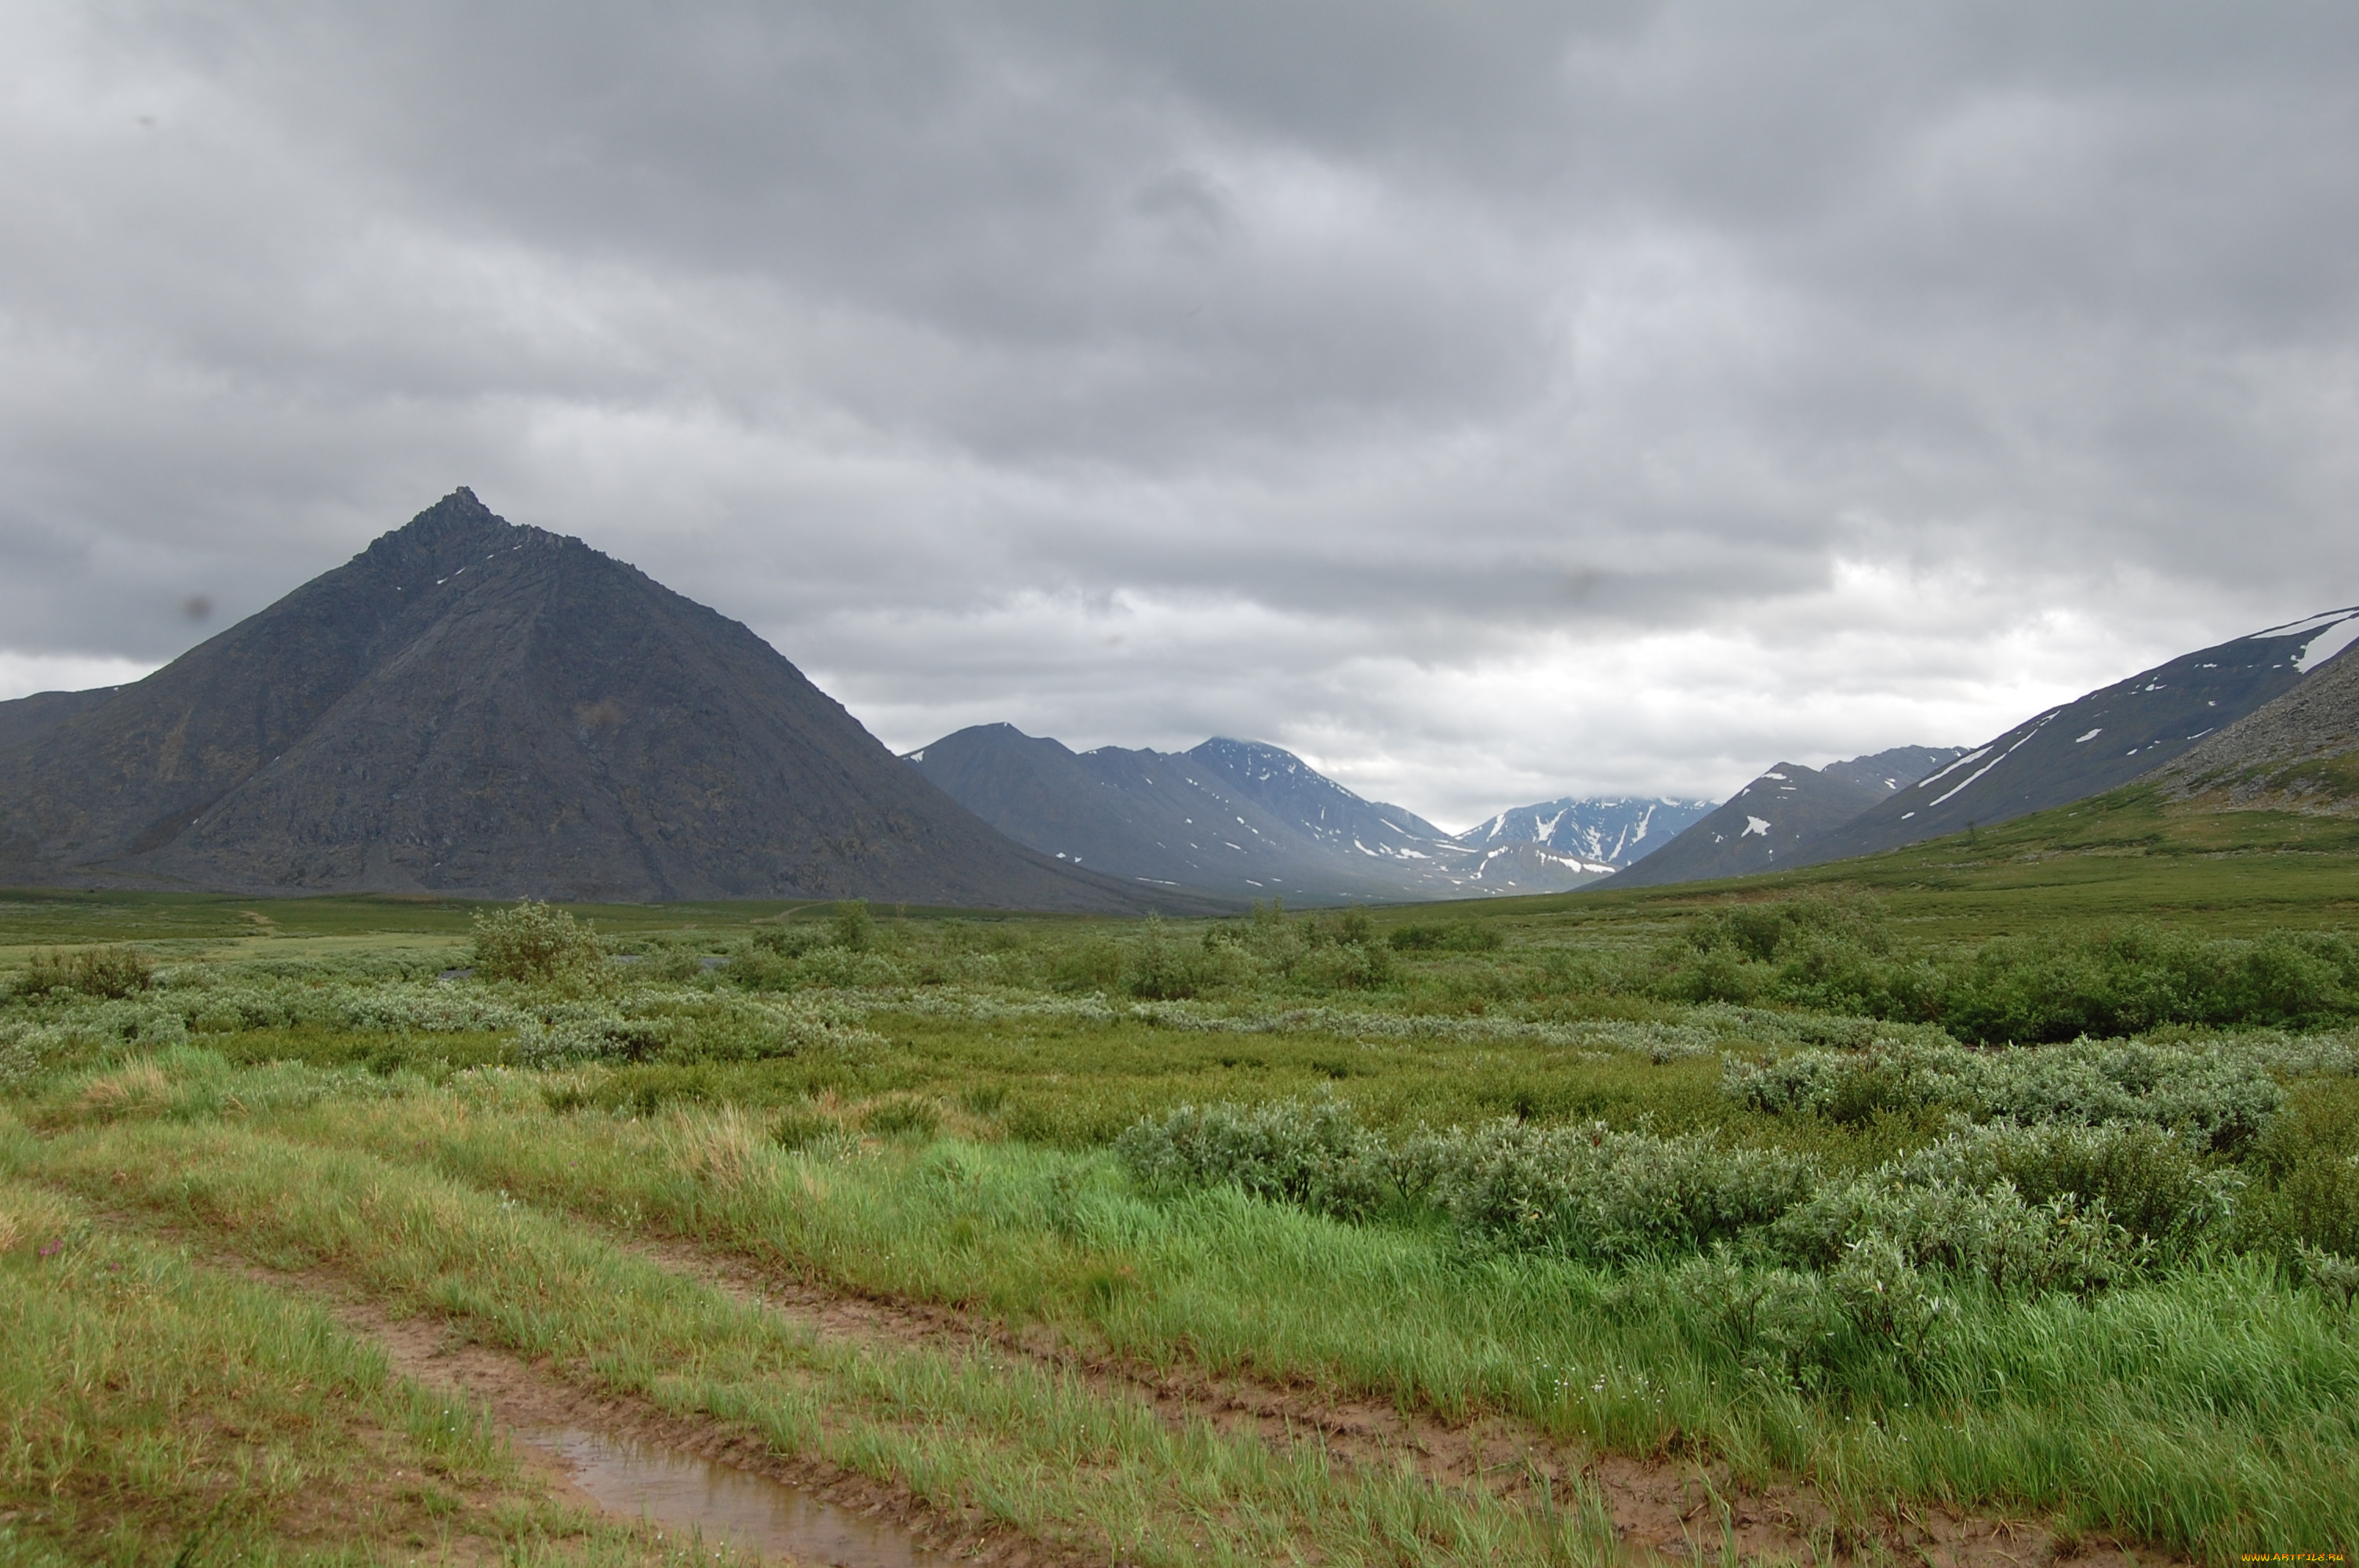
471	707
1237	819
2098	741
1777	818
2299	753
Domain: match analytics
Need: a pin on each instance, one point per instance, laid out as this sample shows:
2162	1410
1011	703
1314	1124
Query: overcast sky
1489	402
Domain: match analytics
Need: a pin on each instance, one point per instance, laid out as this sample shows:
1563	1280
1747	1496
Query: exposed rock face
2299	753
468	707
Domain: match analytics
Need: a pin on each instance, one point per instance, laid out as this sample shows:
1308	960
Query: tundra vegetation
2020	1196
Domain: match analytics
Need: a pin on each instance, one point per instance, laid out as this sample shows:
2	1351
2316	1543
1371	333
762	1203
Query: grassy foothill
1998	1195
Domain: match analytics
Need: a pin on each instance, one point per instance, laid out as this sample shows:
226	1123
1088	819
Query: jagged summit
471	707
1612	831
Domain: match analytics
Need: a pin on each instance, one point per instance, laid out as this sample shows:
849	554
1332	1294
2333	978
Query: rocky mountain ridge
472	707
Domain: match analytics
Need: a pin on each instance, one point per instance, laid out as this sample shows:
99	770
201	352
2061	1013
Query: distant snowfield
21	674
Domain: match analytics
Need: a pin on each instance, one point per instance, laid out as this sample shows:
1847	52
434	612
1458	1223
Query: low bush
533	943
852	927
1589	1192
1311	1154
1456	936
1838	954
2020	1210
2214	1094
115	972
913	1118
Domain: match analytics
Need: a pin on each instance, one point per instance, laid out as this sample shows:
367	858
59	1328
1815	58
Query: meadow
1995	1200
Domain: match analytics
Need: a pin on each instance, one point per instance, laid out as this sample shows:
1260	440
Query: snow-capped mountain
1611	832
2101	740
1773	821
1235	818
2296	754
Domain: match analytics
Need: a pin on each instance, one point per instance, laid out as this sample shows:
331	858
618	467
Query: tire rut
1659	1506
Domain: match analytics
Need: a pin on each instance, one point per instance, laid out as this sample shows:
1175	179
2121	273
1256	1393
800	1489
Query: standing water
750	1512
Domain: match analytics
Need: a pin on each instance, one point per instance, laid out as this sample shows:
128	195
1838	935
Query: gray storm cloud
1490	402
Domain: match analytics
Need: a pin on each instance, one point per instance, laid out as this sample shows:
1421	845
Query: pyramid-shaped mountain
472	707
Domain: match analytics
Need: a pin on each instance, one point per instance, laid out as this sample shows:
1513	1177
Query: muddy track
524	1395
1660	1506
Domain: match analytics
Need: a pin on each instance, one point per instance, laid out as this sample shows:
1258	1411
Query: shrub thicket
1837	954
2012	1208
2218	1095
1456	936
115	972
532	942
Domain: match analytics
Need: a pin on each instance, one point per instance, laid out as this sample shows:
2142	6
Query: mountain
1612	831
25	719
1775	821
1228	819
2100	741
1764	826
472	707
2299	753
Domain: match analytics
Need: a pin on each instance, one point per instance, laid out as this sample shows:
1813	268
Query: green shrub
1586	1192
2214	1094
1457	937
2152	1183
852	927
531	941
1344	926
1157	967
2138	976
115	972
1092	963
1992	1232
1311	1154
1840	955
788	941
1345	965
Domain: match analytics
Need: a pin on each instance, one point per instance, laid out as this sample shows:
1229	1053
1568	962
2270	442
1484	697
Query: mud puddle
723	1504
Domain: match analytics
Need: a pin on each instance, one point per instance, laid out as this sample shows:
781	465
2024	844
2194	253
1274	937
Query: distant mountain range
1242	819
1794	816
472	707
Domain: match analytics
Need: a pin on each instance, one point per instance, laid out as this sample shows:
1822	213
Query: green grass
921	1111
1038	1451
159	1410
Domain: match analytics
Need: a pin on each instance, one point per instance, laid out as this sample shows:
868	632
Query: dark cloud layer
1491	402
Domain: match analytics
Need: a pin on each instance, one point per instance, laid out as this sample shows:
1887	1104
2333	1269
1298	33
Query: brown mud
1660	1506
528	1398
